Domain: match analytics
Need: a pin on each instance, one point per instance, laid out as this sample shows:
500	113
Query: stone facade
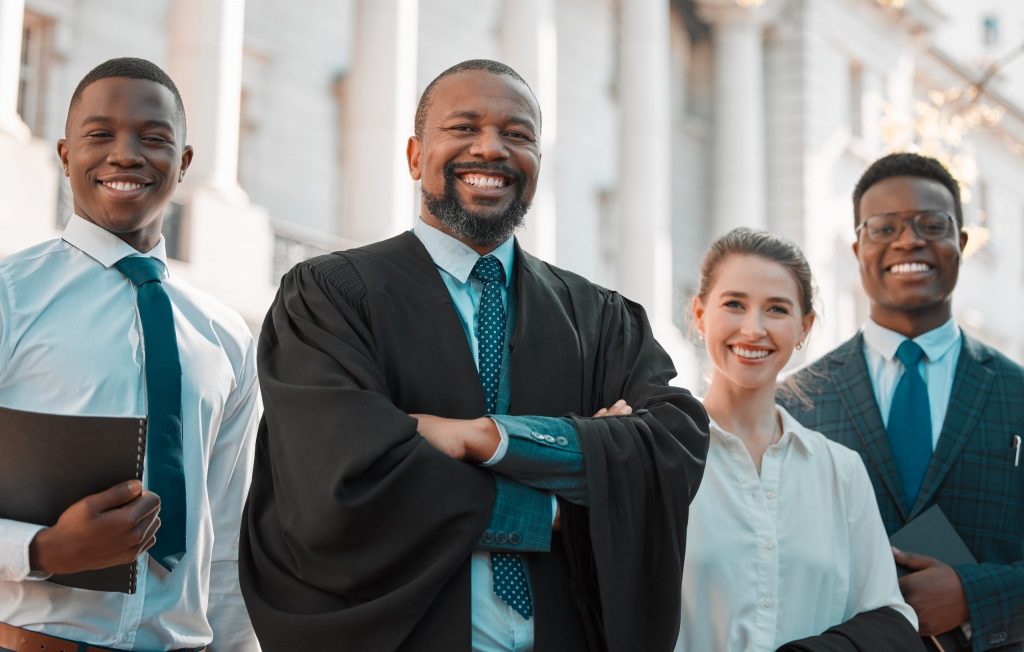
665	122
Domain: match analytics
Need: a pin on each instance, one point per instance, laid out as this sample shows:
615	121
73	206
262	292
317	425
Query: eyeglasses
888	227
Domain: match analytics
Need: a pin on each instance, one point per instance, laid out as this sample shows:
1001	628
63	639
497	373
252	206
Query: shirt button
766	603
768	545
770	495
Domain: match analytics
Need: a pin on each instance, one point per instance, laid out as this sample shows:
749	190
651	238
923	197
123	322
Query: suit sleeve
995	601
879	630
354	523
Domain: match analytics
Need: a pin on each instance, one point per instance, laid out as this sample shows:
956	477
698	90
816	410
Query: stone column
739	126
381	92
12	17
644	239
206	64
529	44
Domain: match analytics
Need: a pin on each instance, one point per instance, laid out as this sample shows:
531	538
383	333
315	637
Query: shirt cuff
499	453
15	539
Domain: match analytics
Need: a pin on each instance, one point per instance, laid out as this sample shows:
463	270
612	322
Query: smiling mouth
909	268
123	186
478	180
750	354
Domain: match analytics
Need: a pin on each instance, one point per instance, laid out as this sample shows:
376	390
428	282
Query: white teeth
909	268
482	181
750	354
122	186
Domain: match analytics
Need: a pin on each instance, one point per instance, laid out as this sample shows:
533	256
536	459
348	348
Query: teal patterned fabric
510	581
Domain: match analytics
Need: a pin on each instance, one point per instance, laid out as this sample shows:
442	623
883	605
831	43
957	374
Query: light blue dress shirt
544	449
941	352
71	343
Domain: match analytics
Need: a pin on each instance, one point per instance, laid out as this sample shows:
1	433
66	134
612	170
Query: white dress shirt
941	348
71	343
784	555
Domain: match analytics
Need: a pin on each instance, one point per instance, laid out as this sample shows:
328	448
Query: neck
747	413
911	323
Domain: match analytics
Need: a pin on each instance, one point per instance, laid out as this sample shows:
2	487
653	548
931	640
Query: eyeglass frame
911	217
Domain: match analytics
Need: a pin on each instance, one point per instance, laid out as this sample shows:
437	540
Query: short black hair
130	68
486	65
906	164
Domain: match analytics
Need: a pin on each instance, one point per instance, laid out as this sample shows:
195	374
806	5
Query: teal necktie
910	422
163	396
509	573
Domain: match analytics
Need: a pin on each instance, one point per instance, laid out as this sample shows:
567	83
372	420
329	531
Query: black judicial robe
357	533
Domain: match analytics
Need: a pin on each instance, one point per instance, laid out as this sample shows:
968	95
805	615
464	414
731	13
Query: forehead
756	277
485	94
898	194
122	98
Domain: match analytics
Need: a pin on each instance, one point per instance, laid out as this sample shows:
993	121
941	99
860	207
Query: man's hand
618	408
106	529
934	590
468	440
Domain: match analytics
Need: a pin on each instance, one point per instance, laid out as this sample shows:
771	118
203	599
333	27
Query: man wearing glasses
934	413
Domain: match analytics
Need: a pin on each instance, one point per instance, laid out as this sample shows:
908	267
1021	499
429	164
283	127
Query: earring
181	176
799	345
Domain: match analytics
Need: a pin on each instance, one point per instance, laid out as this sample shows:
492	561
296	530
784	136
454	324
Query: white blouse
786	555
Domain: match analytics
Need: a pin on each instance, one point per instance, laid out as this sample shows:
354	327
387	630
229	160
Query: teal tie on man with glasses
164	464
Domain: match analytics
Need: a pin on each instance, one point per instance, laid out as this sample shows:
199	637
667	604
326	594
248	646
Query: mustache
493	167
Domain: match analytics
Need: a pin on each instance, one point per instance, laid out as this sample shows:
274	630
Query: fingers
912	560
116	496
618	408
143	508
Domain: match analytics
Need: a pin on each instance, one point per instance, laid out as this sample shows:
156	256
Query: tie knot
488	269
909	353
140	269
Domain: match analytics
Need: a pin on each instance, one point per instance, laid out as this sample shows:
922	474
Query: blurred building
666	122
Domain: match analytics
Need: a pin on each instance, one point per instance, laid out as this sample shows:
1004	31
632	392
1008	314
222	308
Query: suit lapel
971	384
853	387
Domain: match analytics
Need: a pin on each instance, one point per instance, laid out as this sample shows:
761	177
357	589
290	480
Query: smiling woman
785	540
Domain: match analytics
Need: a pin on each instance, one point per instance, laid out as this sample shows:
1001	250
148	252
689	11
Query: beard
481	229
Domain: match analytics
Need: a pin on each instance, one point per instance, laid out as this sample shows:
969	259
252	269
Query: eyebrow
744	295
473	115
160	124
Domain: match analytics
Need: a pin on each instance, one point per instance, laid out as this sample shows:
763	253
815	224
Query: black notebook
932	534
48	462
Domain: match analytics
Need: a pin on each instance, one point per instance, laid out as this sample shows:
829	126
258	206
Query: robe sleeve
642	472
880	630
354	523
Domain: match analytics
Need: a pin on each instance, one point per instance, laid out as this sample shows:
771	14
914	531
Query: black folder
932	534
48	462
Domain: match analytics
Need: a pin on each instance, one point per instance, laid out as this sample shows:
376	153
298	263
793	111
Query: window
856	107
990	30
36	53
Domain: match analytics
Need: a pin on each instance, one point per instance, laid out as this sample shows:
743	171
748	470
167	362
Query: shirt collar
103	246
457	258
935	343
792	430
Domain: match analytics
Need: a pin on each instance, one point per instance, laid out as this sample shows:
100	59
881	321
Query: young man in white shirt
73	340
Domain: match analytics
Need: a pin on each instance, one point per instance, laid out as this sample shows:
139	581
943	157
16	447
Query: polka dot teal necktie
910	422
164	463
509	573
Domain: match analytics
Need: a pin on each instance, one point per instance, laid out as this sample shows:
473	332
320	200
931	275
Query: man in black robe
392	459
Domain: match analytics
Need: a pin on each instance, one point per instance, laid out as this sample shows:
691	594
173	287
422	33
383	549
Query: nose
489	145
125	152
908	238
753	325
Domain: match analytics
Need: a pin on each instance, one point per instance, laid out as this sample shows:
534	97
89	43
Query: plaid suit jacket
972	476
